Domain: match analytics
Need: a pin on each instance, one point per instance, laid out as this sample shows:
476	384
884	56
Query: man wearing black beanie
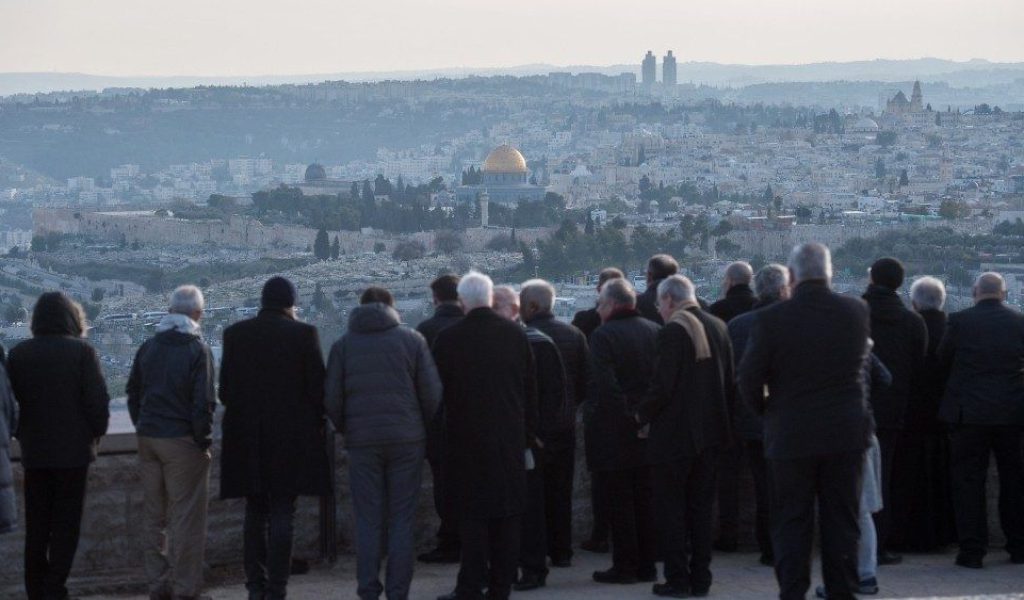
272	388
901	343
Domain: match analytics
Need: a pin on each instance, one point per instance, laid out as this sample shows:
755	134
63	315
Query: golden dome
505	159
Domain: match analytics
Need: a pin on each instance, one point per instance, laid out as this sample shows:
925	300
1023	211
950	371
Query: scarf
694	328
179	323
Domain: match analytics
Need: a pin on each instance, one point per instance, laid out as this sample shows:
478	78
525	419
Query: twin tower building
649	68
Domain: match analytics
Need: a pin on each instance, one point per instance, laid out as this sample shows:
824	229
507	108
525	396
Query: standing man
171	399
272	388
588	320
537	298
739	299
490	403
659	267
447	312
810	353
689	416
622	353
901	343
771	285
984	350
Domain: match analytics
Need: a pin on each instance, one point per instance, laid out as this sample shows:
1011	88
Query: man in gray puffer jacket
382	390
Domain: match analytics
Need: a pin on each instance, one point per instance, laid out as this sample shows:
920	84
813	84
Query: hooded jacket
382	386
901	343
171	386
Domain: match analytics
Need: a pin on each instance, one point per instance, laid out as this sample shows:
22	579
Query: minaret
916	101
485	200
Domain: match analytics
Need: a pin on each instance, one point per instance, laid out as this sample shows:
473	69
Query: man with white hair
171	400
490	402
809	353
984	351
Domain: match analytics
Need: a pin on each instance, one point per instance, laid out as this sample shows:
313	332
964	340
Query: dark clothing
555	412
747	423
810	351
490	405
382	386
923	411
8	425
490	549
971	446
272	388
587	321
445	315
171	388
63	401
268	534
901	343
983	349
633	525
572	346
559	470
53	517
753	452
683	498
688	406
533	540
647	302
623	353
738	300
833	480
600	506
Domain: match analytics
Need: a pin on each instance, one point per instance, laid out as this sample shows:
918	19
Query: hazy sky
250	37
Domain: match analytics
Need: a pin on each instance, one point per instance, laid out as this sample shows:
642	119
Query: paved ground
737	577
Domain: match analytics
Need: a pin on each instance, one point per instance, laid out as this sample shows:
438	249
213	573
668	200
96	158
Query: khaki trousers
175	476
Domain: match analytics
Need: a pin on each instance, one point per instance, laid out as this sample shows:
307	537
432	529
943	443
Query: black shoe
647	576
867	587
728	546
529	582
561	563
439	556
888	558
968	561
700	592
667	590
767	560
613	576
1017	559
299	566
595	546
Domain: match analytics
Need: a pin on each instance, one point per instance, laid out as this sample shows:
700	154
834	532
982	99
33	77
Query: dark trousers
268	545
754	452
728	490
970	447
533	546
448	532
888	440
385	483
490	549
599	506
53	518
684	504
833	480
632	520
559	472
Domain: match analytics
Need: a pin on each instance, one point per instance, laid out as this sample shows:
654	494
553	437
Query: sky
260	37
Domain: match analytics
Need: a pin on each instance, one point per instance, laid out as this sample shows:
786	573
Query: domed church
504	177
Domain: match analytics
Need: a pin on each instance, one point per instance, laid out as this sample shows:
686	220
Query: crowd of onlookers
877	417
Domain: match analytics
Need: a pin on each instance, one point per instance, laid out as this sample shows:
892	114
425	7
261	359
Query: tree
726	247
320	301
98	294
880	170
768	195
885	138
379	247
952	209
904	179
322	245
447	241
38	243
409	250
335	248
589	227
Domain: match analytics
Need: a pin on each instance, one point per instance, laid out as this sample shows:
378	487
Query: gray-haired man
171	399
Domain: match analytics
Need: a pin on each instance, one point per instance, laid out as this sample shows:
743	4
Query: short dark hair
609	273
377	294
57	314
445	288
661	266
887	272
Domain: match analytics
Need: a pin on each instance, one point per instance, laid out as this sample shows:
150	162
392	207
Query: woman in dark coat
922	469
64	408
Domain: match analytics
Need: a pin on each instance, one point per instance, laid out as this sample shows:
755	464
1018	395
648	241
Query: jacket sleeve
134	388
583	371
334	386
203	397
95	399
530	405
604	394
227	369
669	360
947	347
754	370
315	372
428	383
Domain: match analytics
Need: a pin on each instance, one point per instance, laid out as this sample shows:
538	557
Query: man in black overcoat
659	267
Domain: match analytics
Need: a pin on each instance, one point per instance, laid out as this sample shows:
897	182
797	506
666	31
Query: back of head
661	266
475	290
278	293
770	281
676	288
928	293
377	294
537	294
186	300
445	288
888	273
739	273
989	286
811	262
619	292
607	274
506	301
57	314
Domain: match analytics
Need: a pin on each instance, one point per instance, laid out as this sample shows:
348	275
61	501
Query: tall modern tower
650	69
668	69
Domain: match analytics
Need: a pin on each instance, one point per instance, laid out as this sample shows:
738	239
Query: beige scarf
694	328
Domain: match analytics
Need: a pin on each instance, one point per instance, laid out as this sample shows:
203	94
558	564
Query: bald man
984	404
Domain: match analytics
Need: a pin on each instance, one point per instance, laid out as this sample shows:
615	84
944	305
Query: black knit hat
278	292
887	272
